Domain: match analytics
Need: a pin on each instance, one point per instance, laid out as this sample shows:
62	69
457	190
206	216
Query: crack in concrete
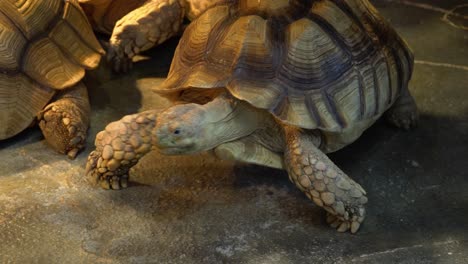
393	250
442	64
446	17
447	12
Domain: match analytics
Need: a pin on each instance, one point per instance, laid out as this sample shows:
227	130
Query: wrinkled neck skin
229	119
193	128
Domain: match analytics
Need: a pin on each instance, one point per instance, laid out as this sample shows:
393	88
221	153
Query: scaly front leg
323	182
143	28
119	147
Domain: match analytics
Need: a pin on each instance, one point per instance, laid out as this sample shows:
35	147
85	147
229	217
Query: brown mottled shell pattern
45	46
315	64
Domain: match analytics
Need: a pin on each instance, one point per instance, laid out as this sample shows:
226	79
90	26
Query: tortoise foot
403	117
404	112
98	173
118	148
120	53
64	127
351	220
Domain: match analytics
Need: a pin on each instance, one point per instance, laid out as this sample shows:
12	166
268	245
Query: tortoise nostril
177	131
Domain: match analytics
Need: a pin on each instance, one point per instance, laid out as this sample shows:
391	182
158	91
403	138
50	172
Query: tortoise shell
315	64
45	46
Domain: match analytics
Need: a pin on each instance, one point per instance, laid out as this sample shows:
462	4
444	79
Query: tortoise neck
229	119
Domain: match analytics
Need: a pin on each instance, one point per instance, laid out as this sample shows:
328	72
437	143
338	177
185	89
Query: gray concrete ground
201	210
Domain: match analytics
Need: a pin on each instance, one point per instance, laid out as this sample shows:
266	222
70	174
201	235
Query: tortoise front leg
151	24
65	121
119	147
323	182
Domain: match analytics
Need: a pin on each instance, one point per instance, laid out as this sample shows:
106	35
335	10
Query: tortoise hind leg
404	112
65	121
323	182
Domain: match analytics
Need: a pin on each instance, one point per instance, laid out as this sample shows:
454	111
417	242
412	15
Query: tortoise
46	47
138	25
276	83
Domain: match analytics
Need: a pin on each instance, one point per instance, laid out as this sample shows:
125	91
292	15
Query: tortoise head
181	129
190	128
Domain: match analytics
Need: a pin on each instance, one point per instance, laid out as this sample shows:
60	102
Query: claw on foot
352	222
98	173
120	53
72	153
404	120
404	113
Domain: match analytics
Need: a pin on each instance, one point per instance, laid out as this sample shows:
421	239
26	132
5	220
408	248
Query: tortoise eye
177	131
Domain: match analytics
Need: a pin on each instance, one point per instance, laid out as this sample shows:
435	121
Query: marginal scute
44	62
185	71
31	16
71	43
75	17
11	46
20	100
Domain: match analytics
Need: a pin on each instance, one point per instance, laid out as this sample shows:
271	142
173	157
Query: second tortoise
46	46
138	25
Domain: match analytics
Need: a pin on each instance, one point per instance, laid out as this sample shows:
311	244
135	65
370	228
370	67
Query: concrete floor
201	210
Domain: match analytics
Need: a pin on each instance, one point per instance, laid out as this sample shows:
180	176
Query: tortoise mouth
175	150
